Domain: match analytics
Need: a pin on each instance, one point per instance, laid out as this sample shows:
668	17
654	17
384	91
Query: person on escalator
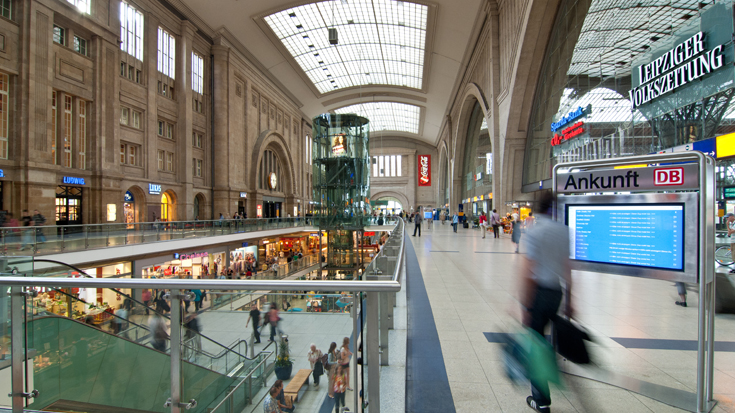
158	333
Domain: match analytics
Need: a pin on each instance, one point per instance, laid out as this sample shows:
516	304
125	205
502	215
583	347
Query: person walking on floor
38	221
483	224
417	219
332	359
255	317
273	319
455	221
315	359
545	268
344	360
682	290
339	388
516	236
495	222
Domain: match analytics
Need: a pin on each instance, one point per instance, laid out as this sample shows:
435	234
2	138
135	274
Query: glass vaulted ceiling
616	31
387	115
381	42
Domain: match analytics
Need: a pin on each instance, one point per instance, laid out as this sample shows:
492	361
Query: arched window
269	172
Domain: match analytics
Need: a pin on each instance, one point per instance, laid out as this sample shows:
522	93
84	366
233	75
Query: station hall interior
367	206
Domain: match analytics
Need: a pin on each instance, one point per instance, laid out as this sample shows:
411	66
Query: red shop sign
370	234
424	170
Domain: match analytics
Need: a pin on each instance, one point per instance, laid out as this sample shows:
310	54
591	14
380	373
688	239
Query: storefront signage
154	189
478	177
259	211
684	63
178	256
570	117
245	244
243	194
2	173
71	180
370	234
424	170
660	178
568	133
728	192
128	197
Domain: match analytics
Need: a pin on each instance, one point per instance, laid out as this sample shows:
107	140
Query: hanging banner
424	170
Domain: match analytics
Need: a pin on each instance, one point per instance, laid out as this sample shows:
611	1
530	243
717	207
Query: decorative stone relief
256	97
295	127
264	105
238	89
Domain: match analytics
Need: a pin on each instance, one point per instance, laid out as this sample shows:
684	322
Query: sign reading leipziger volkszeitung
683	64
656	178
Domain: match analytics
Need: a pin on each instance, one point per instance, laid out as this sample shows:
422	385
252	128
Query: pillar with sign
647	216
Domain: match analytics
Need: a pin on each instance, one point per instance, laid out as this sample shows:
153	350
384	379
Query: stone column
184	147
220	180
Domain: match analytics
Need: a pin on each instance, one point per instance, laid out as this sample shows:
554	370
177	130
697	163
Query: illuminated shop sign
571	116
424	170
154	189
243	194
71	180
568	133
683	64
2	173
178	256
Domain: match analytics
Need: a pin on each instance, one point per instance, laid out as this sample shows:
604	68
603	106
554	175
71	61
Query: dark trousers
338	398
316	376
544	308
496	231
454	225
255	330
417	228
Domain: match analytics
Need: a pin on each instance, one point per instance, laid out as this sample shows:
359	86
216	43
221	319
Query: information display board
640	235
644	235
728	192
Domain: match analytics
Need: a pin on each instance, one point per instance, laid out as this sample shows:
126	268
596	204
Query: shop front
69	200
185	264
244	258
129	209
165	207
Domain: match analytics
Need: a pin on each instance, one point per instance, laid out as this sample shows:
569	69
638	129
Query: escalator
91	360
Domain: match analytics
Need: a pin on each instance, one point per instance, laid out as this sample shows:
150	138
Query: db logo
668	176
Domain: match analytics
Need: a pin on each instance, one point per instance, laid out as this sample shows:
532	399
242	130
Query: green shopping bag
541	359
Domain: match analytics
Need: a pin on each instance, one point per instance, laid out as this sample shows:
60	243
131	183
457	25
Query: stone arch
139	204
399	196
444	176
200	201
472	93
173	204
274	141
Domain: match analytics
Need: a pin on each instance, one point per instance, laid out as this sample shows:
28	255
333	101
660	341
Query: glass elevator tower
341	185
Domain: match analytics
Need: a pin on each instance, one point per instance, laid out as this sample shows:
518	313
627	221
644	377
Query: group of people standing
336	365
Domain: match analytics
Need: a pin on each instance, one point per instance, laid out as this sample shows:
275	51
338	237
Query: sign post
636	193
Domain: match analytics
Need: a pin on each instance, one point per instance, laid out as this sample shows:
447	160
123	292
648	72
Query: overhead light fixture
333	36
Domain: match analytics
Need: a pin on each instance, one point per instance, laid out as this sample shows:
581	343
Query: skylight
381	42
387	115
614	33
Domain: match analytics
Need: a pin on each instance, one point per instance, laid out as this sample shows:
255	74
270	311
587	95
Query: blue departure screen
641	235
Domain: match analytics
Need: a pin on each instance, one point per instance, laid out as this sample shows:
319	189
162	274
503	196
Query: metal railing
230	398
380	281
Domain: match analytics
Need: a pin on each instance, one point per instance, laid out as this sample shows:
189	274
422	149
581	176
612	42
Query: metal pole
373	350
175	341
386	321
356	338
701	333
710	236
16	348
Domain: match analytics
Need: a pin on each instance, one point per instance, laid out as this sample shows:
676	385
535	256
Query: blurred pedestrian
158	332
545	268
255	317
339	388
483	224
344	360
332	363
417	220
516	235
455	221
495	222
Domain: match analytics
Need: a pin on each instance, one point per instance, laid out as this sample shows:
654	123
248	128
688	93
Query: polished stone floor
471	284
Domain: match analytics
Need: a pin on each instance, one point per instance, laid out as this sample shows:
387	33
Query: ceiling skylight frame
387	116
367	54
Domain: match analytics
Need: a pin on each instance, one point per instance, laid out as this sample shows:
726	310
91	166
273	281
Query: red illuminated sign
568	133
424	170
369	234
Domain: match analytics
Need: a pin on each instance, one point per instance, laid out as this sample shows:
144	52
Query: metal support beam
16	348
373	350
175	341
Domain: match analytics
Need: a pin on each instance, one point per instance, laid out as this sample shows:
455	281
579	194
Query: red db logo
668	176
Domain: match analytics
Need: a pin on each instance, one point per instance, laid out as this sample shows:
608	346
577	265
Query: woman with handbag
331	366
315	359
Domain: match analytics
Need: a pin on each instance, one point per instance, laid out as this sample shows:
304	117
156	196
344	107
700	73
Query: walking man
495	222
545	268
417	219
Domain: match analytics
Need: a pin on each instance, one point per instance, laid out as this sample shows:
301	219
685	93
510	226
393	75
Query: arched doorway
168	207
270	173
388	205
198	206
477	166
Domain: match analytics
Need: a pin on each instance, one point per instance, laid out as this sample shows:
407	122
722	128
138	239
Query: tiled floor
473	291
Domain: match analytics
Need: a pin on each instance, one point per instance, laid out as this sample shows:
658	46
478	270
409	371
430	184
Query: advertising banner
424	170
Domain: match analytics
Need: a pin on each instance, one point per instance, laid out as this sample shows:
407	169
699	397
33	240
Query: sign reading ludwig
683	64
424	170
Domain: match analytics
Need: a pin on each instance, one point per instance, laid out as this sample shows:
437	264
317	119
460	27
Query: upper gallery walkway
71	243
462	291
